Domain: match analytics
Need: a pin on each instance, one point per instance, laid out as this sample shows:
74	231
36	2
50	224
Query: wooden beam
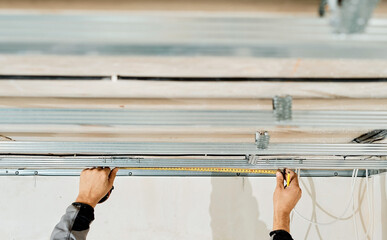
176	89
192	66
191	103
175	134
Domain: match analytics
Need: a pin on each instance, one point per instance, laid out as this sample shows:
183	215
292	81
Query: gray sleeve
64	230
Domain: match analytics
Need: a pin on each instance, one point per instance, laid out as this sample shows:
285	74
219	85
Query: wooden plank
190	104
278	6
187	95
301	6
175	89
191	66
181	134
177	134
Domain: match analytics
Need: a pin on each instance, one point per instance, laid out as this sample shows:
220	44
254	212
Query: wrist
86	200
281	221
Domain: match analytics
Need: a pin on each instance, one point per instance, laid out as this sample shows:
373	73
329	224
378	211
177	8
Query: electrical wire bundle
351	202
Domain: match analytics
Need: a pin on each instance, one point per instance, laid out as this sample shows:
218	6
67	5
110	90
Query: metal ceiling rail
134	172
28	162
67	158
138	148
188	149
185	34
346	119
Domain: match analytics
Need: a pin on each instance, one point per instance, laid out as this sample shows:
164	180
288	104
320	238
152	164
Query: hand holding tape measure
285	172
96	185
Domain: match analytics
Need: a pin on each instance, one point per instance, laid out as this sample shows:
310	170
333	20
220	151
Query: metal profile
188	149
351	16
262	139
67	158
124	172
195	34
370	137
282	108
259	162
242	118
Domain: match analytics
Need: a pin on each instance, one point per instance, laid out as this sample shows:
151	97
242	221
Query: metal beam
333	119
145	173
67	158
327	163
194	34
189	149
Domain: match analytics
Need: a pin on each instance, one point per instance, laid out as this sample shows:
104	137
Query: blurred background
191	71
196	28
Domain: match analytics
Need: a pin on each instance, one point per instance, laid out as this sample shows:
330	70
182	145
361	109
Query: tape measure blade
198	169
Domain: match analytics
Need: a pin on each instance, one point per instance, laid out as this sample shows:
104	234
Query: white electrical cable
354	177
352	200
370	205
354	213
292	212
373	209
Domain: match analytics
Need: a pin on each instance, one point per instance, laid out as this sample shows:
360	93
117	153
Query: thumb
112	176
280	179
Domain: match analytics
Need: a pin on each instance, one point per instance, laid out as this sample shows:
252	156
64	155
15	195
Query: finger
293	177
106	170
280	179
84	171
112	176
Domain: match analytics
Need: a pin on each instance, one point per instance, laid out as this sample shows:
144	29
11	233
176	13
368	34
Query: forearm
281	227
285	198
75	223
281	221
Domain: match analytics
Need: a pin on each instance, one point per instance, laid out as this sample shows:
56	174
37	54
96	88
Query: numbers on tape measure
199	169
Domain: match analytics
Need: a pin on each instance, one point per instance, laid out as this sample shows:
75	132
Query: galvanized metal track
24	162
337	119
188	149
61	158
146	173
185	34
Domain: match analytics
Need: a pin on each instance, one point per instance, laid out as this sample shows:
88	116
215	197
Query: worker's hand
94	184
285	199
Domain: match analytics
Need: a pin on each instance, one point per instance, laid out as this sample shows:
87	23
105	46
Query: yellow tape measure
206	169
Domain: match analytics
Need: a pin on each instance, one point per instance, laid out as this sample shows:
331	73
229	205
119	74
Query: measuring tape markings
204	169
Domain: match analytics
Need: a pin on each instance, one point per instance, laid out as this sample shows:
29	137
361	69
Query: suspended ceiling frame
63	158
115	80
